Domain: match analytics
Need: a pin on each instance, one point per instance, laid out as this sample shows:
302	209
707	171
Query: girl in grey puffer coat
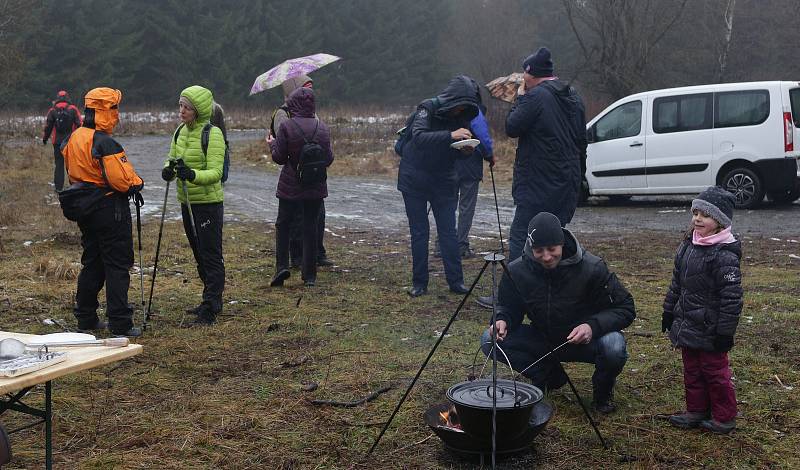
701	312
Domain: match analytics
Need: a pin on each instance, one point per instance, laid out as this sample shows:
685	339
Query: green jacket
206	187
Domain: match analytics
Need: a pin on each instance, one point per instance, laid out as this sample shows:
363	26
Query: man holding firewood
570	297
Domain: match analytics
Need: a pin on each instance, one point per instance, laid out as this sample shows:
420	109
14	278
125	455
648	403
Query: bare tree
618	39
725	42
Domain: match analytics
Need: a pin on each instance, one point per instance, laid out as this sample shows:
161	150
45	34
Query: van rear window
794	97
741	108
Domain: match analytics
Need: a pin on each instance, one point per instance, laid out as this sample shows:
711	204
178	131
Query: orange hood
105	103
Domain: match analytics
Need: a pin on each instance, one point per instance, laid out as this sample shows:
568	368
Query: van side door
616	153
679	148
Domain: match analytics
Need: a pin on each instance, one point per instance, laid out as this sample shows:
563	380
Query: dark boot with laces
688	419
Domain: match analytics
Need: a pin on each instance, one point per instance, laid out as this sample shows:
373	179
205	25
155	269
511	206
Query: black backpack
204	136
404	134
62	117
312	163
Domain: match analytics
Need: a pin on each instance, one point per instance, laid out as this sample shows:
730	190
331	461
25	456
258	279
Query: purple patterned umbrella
289	69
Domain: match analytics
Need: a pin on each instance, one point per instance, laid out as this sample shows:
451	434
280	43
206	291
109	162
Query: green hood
202	100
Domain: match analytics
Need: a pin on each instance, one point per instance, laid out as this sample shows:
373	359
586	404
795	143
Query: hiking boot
459	289
605	407
602	402
279	277
310	282
133	332
687	419
484	301
324	262
467	253
100	325
194	310
417	291
202	320
717	427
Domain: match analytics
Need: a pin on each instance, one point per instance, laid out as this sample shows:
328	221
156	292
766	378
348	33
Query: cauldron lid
478	394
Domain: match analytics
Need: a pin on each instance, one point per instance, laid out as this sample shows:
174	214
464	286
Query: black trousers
107	257
58	169
207	250
296	242
287	210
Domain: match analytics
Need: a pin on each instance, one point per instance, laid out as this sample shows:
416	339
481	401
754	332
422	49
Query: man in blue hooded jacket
427	175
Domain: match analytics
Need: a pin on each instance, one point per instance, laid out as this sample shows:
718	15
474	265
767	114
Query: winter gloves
185	173
168	173
44	140
723	343
666	321
182	171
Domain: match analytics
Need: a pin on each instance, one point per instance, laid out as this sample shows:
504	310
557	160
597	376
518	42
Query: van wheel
786	197
746	187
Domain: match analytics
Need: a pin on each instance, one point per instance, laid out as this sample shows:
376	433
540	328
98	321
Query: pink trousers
707	380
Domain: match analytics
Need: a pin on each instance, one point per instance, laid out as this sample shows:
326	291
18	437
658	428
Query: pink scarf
724	236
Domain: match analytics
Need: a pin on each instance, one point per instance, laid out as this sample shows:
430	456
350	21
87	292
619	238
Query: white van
742	136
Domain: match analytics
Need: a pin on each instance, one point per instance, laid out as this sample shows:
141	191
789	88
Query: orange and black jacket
92	156
50	131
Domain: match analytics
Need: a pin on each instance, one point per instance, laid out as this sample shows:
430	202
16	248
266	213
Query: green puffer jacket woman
199	176
206	186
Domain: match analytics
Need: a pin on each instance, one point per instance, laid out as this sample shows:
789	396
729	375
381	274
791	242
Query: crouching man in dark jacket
569	295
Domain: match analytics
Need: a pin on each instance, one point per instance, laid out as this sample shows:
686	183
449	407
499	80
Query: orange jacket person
94	158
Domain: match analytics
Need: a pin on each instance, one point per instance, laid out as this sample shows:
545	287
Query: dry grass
55	270
229	397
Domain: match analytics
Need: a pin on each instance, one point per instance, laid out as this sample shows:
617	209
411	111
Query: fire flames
450	419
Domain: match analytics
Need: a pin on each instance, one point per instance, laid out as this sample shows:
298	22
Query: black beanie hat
544	229
539	64
716	202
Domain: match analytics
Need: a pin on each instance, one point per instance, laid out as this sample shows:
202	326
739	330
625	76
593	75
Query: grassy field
232	396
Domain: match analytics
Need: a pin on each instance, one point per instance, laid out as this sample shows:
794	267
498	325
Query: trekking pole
497	210
155	263
138	201
191	218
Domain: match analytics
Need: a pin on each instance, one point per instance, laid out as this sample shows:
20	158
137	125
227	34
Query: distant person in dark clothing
470	174
427	174
549	119
62	118
280	115
294	197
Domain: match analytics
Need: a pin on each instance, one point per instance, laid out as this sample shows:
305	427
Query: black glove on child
185	173
723	343
167	173
666	321
44	141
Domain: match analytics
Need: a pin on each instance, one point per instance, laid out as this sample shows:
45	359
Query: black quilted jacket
579	290
705	296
